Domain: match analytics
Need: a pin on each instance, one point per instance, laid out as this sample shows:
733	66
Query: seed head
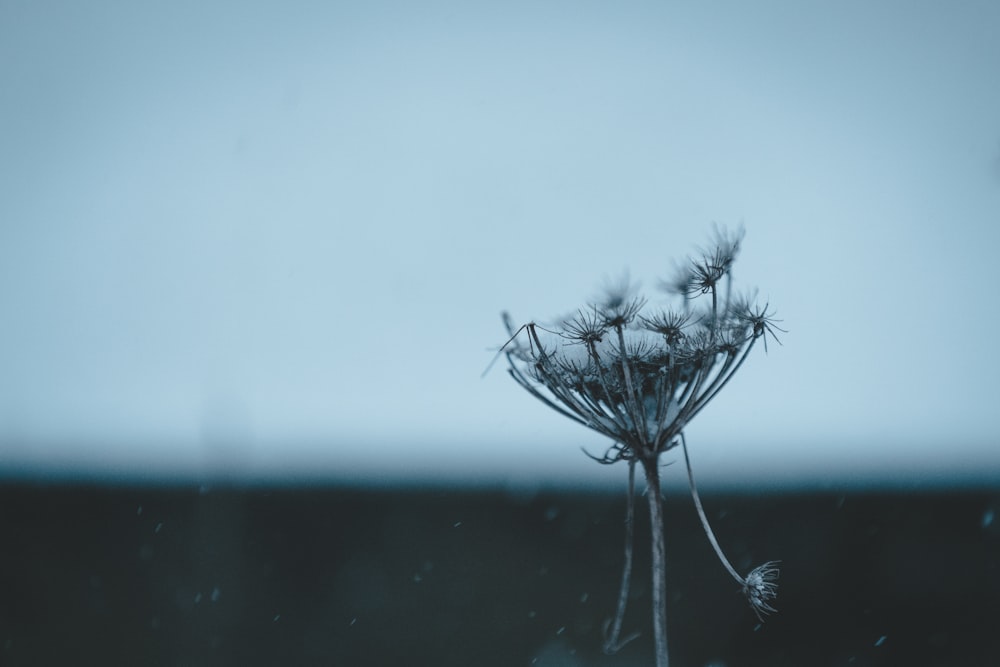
668	324
606	369
639	380
761	586
587	328
760	320
716	262
621	314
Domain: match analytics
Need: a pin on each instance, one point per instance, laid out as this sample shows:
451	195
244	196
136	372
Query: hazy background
274	239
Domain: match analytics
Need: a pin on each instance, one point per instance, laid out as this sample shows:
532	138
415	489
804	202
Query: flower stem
612	641
650	467
704	519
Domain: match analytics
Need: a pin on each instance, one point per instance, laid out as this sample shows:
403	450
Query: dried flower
639	389
640	379
761	586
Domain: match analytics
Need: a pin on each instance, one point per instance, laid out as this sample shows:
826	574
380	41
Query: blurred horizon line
558	466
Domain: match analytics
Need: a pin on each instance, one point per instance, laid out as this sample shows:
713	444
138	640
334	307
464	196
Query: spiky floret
621	313
587	327
668	324
761	321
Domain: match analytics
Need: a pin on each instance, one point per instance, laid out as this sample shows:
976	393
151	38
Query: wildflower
587	328
760	587
640	379
760	320
668	324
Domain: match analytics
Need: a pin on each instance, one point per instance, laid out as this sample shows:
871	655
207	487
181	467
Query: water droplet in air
988	517
880	640
216	594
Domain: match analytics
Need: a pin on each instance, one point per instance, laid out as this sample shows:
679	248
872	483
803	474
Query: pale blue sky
278	236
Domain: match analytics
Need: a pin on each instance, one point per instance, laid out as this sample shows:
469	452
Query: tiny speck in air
880	640
276	617
138	511
988	517
216	594
353	621
197	598
758	627
159	526
456	524
584	597
561	630
417	578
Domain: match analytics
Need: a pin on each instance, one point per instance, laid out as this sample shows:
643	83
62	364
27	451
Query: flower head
607	368
587	327
761	322
668	324
761	586
704	273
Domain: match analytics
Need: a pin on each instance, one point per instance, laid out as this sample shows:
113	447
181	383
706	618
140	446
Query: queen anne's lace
640	377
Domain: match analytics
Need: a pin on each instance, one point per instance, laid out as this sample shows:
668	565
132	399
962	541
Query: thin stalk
638	418
704	519
659	560
715	309
620	419
612	642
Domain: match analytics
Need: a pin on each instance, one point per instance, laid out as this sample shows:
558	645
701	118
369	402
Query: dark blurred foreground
233	576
